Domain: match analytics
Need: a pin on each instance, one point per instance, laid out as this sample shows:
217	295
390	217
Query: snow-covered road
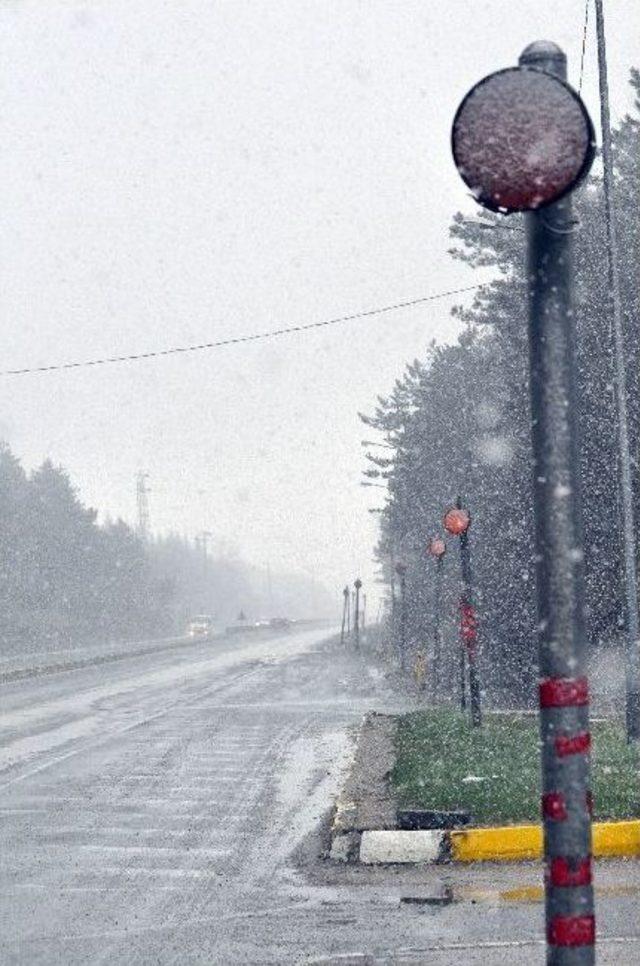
162	809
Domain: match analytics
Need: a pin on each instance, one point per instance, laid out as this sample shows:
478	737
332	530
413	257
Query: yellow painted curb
616	838
497	844
519	842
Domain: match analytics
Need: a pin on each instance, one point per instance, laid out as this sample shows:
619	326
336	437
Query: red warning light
521	139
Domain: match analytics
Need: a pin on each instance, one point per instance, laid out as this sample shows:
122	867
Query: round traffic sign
437	547
522	139
457	521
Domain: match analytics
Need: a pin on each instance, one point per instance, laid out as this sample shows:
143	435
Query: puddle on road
532	893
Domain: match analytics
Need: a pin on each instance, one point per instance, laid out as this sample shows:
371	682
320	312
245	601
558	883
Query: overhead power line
236	340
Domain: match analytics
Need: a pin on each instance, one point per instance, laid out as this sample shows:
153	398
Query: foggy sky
177	172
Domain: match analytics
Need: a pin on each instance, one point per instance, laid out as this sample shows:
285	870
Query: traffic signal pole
563	689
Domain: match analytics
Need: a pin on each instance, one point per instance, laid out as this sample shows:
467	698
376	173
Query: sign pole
522	140
437	548
401	571
469	630
437	640
457	521
345	612
564	693
356	614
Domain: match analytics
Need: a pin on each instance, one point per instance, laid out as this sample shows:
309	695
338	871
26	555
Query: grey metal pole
356	613
345	612
437	643
403	617
401	570
620	383
564	692
469	635
462	675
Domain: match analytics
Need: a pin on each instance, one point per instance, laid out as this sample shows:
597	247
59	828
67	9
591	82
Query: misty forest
458	422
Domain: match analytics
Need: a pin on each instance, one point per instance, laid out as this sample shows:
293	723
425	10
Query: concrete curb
400	846
366	801
511	843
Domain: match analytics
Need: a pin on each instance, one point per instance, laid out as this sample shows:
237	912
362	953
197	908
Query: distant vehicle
280	623
241	625
201	626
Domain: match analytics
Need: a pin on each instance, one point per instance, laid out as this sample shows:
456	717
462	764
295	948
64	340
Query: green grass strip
493	772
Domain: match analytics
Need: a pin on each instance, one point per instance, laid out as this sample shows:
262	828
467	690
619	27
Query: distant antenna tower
142	496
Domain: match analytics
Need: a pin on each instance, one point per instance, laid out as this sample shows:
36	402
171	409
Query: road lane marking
160	849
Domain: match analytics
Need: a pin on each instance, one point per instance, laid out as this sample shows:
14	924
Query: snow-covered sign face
437	547
521	139
457	521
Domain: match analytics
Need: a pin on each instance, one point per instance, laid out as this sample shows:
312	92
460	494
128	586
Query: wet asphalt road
168	808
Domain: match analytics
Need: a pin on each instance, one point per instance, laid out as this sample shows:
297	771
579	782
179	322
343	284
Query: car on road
201	626
280	623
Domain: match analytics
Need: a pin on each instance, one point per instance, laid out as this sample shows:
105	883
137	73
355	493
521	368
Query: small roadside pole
522	140
364	613
401	570
392	591
345	613
457	521
437	549
347	600
356	613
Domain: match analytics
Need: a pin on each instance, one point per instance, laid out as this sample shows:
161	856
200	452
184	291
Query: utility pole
632	622
356	613
498	124
142	500
364	612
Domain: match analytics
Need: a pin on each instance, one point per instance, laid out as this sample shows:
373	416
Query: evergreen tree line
459	424
65	579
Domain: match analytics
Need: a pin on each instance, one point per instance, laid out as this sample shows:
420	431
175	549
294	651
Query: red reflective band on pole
564	692
554	806
572	931
572	745
469	624
561	873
